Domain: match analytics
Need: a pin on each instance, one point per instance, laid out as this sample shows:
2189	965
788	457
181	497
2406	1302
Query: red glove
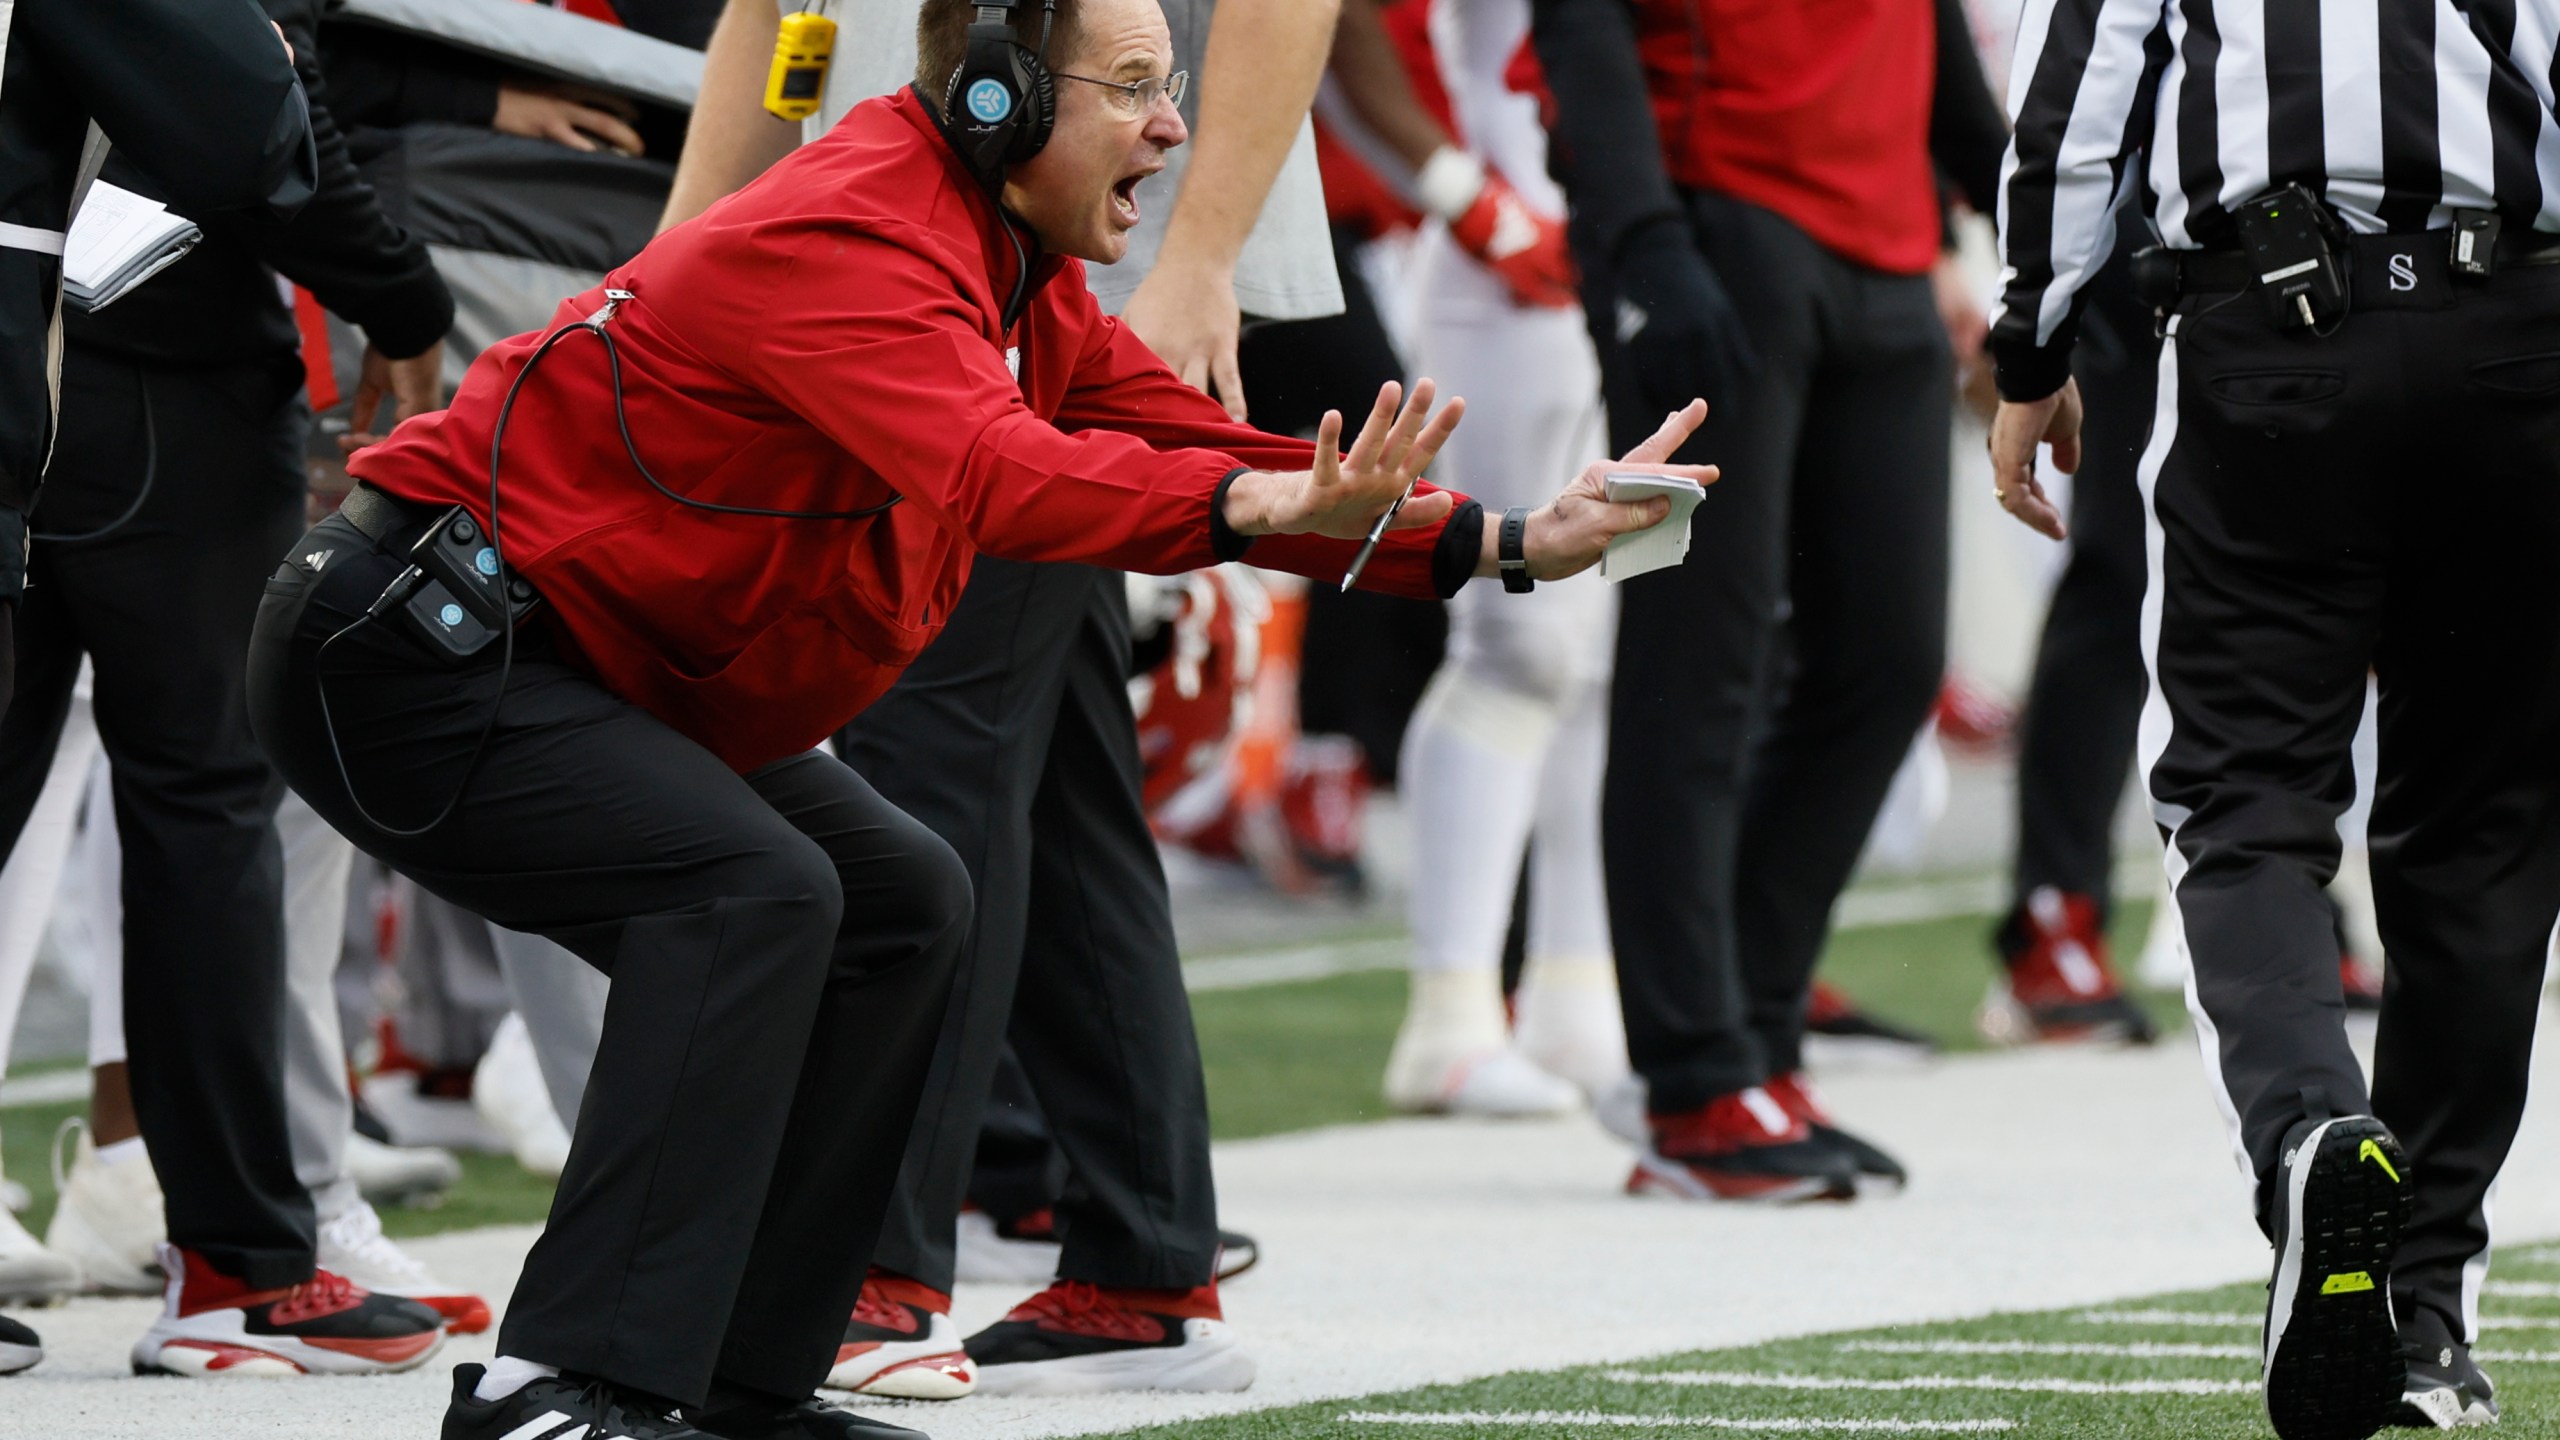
1524	248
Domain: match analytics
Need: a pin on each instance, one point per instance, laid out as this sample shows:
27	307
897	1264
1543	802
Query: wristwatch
1509	552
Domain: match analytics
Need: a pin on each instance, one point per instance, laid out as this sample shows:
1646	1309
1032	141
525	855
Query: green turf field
1279	1057
2176	1365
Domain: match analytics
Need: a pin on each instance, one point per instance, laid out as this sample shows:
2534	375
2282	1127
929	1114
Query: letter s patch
2404	272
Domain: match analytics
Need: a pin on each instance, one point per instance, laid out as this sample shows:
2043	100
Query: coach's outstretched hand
1567	534
1343	497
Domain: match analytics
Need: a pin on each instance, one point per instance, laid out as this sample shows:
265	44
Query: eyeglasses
1139	97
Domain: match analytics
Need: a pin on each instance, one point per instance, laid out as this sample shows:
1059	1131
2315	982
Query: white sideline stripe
2239	1318
1796	1426
1281	967
2137	1350
2036	1384
50	1087
542	1425
1865	908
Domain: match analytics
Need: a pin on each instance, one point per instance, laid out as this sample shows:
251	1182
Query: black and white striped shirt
2397	111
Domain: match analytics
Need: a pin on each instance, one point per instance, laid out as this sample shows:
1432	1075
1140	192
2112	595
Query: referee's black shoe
558	1407
738	1415
2332	1359
2446	1388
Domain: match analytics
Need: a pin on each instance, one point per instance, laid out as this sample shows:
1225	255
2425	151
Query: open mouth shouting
1124	197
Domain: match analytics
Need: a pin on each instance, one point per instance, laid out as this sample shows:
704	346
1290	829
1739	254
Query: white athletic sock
120	1151
507	1375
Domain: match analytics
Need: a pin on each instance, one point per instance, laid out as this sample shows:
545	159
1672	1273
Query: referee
2355	461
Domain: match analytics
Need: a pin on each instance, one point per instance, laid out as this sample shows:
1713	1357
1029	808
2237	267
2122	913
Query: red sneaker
327	1325
1077	1339
2060	987
1742	1146
901	1343
2360	983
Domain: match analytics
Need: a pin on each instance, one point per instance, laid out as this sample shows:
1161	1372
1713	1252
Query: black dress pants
2386	496
1012	738
1731	820
2084	701
191	482
780	944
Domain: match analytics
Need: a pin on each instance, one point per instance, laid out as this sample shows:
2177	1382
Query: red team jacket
1817	109
822	340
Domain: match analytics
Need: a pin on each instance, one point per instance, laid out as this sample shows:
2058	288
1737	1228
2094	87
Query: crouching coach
564	656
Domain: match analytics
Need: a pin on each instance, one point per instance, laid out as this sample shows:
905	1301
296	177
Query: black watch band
1510	553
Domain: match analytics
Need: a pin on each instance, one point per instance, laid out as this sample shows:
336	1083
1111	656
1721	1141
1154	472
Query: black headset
1001	103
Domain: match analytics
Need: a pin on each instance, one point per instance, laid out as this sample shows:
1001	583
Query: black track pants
2076	734
780	944
1731	823
1012	738
162	604
2388	496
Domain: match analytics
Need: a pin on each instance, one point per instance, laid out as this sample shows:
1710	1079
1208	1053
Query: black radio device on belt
2286	235
457	607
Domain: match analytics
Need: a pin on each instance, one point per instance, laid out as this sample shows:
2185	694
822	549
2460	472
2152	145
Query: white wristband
1449	182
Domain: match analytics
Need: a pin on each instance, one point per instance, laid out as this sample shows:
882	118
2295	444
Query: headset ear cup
1039	108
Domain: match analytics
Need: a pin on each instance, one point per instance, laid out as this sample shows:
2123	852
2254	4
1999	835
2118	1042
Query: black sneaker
2445	1388
761	1419
2333	1369
1237	1253
19	1347
1878	1172
557	1408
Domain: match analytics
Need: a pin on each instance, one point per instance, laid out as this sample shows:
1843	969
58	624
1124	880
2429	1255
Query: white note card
1666	544
118	240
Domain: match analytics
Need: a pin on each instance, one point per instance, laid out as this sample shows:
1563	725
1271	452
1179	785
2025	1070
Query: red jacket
822	340
1817	109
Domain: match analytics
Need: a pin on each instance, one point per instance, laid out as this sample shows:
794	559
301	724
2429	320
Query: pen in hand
1351	577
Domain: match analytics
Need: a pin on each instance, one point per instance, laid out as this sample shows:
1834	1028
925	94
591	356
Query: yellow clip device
799	76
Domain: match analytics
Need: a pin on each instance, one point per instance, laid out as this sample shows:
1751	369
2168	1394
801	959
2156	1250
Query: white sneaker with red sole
900	1344
354	1246
214	1325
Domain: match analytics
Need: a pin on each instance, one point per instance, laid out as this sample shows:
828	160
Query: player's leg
1868	638
1480	737
1102	1026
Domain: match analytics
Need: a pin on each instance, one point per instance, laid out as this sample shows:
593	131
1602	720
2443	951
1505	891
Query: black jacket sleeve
342	247
1967	133
1610	157
383	79
198	93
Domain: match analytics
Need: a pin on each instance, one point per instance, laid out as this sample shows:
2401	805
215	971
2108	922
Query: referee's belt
2413	270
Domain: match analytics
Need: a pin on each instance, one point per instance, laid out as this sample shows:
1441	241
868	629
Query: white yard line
2138	1350
2034	1384
2522	1289
1805	1425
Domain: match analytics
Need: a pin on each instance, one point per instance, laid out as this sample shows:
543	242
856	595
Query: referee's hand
2015	432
